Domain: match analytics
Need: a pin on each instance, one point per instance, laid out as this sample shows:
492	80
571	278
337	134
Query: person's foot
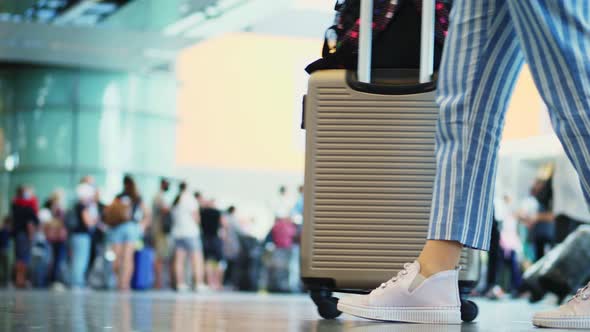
495	293
201	288
409	297
575	314
182	288
58	287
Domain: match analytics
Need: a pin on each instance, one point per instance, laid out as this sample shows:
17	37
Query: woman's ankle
438	256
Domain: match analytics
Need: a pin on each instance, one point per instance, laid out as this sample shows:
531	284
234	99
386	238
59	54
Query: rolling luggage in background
369	174
248	265
278	270
564	269
102	274
40	265
143	271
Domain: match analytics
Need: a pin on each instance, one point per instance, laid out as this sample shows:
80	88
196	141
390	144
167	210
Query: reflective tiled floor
167	311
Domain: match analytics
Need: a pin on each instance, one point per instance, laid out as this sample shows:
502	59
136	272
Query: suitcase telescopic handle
426	41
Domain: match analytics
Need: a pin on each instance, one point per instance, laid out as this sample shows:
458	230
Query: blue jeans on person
80	249
127	232
22	247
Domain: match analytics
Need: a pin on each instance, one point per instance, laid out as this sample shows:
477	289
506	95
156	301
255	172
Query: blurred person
80	237
298	207
5	255
282	205
536	214
186	237
283	235
294	268
160	229
123	237
510	243
24	224
57	236
211	224
231	244
99	231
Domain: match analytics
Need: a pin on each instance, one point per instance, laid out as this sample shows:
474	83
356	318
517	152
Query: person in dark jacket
80	237
24	223
211	225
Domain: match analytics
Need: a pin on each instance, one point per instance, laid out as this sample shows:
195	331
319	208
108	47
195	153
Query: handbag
117	213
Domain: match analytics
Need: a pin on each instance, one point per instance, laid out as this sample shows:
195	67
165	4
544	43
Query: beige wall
524	113
239	103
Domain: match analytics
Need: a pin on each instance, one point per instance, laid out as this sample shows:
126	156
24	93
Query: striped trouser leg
481	62
555	38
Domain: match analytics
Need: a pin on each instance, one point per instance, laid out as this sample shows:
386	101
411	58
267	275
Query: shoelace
583	293
396	278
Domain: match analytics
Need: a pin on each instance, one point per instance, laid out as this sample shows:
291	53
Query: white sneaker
573	315
182	288
411	298
201	288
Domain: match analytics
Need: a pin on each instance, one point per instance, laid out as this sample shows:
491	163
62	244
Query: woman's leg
556	38
22	248
199	263
481	62
127	251
80	257
117	249
198	268
158	268
179	261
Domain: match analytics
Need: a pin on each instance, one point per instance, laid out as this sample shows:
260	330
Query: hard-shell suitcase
560	271
369	174
143	271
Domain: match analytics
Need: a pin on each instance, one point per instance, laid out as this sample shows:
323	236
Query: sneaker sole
424	315
562	323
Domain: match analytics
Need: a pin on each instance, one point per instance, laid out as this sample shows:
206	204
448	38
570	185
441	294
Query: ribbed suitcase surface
369	173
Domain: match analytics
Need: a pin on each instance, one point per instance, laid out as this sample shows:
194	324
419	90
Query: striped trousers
487	44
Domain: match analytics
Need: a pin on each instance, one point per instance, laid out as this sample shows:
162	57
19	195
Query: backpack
396	35
167	222
71	220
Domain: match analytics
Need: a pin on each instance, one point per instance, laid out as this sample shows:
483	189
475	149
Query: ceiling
140	35
72	12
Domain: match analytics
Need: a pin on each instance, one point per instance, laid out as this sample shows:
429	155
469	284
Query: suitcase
278	271
560	271
40	264
247	270
102	273
143	271
369	174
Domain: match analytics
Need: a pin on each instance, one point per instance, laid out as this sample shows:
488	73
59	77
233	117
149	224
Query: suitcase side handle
426	41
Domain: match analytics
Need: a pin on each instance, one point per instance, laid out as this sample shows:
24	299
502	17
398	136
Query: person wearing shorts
186	238
123	238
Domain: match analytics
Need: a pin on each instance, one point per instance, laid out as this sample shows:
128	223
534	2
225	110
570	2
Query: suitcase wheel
327	304
469	310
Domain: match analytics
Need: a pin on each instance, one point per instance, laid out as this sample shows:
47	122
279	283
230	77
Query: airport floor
167	311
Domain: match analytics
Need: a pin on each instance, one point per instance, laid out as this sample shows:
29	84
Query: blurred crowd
185	243
523	233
